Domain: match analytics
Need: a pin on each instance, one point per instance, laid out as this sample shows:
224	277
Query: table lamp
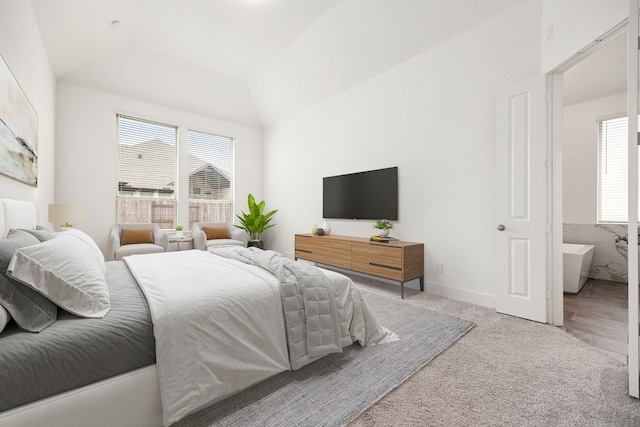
64	214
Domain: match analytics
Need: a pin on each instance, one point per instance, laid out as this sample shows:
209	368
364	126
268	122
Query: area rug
337	388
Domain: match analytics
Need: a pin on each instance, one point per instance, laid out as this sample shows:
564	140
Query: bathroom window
612	170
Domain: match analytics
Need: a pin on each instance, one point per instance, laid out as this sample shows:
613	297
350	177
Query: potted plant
383	226
179	231
255	222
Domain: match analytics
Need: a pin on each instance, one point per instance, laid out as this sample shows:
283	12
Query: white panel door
520	244
632	231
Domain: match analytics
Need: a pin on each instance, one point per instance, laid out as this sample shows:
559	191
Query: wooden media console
396	260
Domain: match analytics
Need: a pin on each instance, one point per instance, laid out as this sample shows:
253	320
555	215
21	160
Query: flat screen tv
363	195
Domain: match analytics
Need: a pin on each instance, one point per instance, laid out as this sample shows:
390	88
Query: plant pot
383	233
179	233
255	243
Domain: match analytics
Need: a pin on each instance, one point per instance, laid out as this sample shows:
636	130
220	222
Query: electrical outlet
439	268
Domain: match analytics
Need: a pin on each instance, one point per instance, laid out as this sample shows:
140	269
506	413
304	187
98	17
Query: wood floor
598	316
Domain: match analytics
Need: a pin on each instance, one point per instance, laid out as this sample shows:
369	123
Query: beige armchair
234	237
135	240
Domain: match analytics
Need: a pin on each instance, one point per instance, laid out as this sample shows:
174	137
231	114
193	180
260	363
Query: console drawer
390	256
323	250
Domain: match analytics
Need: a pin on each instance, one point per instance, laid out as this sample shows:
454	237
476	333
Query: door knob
501	227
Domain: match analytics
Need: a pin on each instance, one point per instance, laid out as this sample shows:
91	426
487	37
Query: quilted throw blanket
314	318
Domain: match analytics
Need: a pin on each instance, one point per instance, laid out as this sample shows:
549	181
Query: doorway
594	89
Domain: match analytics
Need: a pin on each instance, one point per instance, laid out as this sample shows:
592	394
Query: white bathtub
576	264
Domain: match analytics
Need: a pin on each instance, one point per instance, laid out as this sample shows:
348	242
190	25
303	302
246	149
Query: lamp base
65	226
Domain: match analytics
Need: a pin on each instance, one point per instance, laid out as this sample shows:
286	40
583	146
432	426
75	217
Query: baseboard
457	294
463	295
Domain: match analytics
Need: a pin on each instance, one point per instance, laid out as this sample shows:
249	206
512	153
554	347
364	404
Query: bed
178	355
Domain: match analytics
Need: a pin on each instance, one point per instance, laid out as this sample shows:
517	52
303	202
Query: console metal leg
402	289
422	283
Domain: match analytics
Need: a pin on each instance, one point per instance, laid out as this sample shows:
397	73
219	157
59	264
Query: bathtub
576	262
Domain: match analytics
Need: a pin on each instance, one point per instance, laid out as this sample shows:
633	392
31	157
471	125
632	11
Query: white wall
580	156
86	149
22	49
568	26
433	116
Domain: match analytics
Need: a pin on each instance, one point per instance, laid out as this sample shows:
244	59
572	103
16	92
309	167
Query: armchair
235	237
139	242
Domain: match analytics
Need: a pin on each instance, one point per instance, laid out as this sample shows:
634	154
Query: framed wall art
18	130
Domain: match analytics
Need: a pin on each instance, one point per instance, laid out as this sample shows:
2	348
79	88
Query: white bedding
219	325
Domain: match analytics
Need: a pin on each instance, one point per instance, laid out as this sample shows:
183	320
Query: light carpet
335	389
505	372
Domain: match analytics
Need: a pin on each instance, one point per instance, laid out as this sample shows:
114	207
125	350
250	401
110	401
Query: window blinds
612	170
146	172
210	177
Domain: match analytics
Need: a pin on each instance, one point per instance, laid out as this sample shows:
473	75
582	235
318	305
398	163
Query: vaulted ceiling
247	61
194	55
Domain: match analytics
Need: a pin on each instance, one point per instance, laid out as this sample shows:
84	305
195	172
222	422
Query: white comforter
219	327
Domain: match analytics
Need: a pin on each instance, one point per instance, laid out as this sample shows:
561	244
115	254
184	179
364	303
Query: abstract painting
18	130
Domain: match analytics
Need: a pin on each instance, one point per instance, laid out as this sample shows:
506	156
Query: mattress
73	351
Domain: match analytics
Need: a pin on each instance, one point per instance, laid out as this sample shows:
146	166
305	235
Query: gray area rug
335	389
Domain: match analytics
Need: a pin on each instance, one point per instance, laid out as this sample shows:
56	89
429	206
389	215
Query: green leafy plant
255	222
383	224
179	228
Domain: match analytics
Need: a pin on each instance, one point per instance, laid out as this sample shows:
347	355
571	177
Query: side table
181	239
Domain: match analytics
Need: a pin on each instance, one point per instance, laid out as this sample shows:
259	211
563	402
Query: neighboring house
207	181
146	186
143	172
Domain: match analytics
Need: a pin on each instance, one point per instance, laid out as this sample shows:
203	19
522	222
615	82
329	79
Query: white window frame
181	197
162	198
204	209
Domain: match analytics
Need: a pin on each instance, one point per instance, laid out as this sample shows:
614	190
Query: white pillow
4	318
67	273
86	239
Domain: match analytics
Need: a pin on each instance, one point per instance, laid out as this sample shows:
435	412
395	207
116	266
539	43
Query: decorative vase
319	232
383	232
314	229
255	243
326	227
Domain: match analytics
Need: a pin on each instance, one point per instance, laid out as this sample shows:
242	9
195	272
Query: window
146	172
210	172
612	170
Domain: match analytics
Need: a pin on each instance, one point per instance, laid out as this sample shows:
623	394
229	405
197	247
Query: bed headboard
16	214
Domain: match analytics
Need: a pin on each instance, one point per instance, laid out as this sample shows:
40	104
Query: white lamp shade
66	214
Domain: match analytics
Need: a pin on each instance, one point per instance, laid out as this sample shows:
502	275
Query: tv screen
363	195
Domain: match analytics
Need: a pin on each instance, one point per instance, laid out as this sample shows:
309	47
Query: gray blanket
314	320
74	352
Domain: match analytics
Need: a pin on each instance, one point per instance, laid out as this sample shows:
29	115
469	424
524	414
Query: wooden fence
163	212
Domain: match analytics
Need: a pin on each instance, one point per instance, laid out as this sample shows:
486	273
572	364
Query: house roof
144	166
